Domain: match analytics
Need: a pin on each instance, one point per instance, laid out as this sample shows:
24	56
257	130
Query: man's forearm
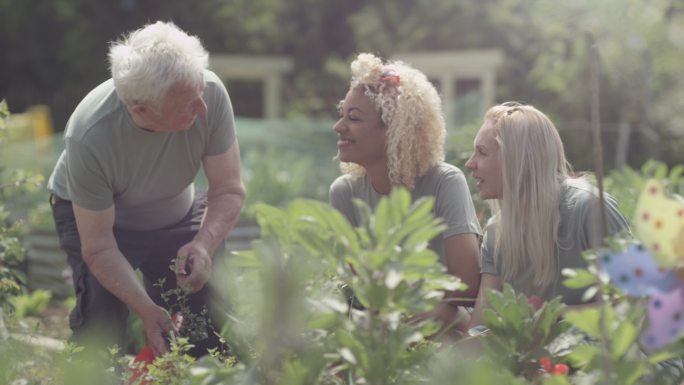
116	275
220	216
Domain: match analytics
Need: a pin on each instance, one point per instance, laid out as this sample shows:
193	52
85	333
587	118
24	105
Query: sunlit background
285	64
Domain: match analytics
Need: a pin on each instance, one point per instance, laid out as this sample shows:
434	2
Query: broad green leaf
351	342
676	173
491	320
323	321
622	338
336	222
660	171
348	356
582	355
586	320
629	372
422	258
376	259
663	356
578	278
382	220
423	235
495	299
512	317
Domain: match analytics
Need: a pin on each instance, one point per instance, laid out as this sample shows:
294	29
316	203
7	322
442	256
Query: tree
639	50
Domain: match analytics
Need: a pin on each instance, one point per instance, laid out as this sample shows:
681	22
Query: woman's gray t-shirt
445	182
579	230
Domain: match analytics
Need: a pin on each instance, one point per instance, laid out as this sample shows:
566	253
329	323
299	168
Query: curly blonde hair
410	108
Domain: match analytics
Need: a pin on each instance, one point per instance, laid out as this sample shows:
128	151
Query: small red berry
560	369
546	363
535	301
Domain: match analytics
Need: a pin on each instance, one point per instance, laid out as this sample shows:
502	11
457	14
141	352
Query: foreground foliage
316	301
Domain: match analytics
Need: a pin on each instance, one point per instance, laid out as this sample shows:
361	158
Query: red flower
546	364
560	369
142	359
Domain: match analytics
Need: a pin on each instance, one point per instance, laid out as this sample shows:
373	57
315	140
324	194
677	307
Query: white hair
149	60
533	168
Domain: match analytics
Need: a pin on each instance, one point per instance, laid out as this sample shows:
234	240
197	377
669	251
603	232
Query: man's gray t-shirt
579	230
147	176
445	182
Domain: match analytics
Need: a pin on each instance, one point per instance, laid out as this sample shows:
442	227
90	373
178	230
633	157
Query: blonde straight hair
533	168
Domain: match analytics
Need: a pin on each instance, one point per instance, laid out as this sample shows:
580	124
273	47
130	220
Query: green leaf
423	235
629	372
491	320
586	320
676	173
582	355
355	346
663	356
513	317
623	338
578	278
323	321
382	220
660	171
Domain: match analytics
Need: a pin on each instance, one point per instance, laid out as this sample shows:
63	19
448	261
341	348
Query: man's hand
158	328
193	266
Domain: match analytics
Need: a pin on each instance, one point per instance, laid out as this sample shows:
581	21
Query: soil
55	321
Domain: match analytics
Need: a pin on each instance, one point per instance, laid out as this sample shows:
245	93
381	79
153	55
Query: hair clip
390	74
512	110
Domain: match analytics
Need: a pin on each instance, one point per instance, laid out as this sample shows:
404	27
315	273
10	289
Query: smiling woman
361	132
391	134
543	217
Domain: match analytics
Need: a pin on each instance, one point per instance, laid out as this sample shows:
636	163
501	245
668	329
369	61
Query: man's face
178	111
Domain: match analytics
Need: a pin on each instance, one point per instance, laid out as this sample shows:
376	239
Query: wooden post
596	130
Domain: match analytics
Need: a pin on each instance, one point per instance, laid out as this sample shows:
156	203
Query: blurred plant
275	176
613	353
519	333
626	183
194	326
173	368
31	304
11	250
292	323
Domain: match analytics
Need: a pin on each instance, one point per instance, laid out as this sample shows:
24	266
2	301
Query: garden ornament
652	267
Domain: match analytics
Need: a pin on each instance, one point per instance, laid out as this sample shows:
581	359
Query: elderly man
122	191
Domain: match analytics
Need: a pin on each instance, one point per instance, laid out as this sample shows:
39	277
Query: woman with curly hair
543	217
391	133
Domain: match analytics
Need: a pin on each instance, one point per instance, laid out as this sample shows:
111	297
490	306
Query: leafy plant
626	183
520	334
31	304
613	353
195	326
292	322
11	250
172	368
